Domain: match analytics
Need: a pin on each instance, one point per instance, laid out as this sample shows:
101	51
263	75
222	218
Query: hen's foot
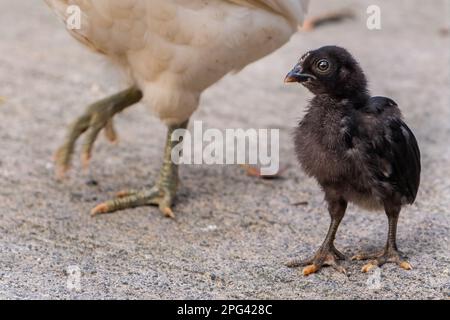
162	196
324	257
381	258
97	117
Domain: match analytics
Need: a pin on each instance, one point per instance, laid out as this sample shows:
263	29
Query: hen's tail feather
295	9
60	7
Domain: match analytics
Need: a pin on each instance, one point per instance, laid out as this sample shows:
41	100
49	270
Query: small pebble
92	183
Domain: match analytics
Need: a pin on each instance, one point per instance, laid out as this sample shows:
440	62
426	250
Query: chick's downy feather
352	143
175	49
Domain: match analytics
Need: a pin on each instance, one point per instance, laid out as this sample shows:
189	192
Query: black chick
357	147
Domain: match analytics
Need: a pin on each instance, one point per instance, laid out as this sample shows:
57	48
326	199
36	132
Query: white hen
172	50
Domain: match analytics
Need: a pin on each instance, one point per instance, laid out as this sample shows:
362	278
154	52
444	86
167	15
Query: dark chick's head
329	70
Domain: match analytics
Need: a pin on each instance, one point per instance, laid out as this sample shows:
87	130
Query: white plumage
174	49
171	50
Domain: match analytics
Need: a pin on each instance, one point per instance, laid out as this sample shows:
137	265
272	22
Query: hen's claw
97	117
110	132
161	196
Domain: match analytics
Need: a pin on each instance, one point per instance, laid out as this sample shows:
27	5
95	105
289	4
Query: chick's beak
297	75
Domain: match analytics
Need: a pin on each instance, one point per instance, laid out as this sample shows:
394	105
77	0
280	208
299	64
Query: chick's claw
339	255
310	269
378	260
299	263
322	258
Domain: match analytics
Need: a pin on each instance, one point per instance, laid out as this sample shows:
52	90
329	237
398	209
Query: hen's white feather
293	9
175	49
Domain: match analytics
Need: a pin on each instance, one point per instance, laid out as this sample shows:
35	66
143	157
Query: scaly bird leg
327	255
162	194
97	116
390	254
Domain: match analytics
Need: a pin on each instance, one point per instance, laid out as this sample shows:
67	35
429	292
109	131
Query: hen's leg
162	194
327	255
98	116
390	254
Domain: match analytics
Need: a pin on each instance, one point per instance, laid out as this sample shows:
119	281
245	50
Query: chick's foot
324	257
97	117
386	256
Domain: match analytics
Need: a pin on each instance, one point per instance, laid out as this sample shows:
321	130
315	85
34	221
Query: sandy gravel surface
233	233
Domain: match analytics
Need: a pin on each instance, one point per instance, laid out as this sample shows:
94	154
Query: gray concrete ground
233	233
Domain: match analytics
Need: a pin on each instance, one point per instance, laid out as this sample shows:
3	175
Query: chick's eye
323	65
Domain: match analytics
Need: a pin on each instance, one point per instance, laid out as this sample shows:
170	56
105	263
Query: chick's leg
162	194
97	117
390	254
327	255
